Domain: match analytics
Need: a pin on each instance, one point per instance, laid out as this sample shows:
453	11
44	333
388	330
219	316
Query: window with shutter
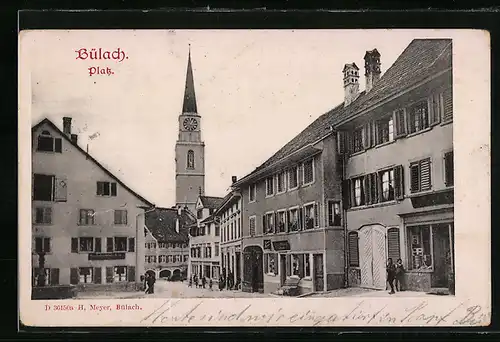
73	276
251	223
353	249
393	249
399	181
54	276
74	245
399	119
341	142
109	244
375	188
113	189
97	275
61	189
369	190
131	273
98	245
435	109
109	274
264	224
420	173
447	105
448	169
131	244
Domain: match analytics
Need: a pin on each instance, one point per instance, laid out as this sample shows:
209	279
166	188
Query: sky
255	91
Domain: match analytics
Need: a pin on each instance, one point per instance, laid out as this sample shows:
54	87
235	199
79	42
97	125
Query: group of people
200	282
225	282
149	281
395	275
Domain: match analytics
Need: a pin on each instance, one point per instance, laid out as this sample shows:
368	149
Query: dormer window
47	143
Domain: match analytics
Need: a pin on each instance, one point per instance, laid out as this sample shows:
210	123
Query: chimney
234	179
67	125
351	83
372	68
74	138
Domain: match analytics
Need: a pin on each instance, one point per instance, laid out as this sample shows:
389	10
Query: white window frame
116	276
304	173
390	119
284	212
81	280
310	204
284	188
297	208
267	223
43	244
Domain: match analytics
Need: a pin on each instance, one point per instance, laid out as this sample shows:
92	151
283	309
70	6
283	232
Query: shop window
420	248
293	177
300	265
353	249
43	215
334	216
420	175
119	273
448	169
270	263
281	221
86	275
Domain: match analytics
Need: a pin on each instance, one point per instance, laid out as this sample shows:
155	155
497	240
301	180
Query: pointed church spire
189	105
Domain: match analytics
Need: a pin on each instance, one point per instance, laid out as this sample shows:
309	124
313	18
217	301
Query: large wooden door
372	254
319	277
253	271
282	269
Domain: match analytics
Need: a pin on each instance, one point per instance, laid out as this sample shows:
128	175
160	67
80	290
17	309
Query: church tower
189	149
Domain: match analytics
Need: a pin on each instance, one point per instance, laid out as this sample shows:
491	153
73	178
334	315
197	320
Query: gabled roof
88	156
161	222
210	202
421	59
189	104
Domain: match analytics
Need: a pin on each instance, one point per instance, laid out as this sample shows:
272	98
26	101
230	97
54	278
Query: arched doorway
253	272
176	275
151	273
165	274
372	256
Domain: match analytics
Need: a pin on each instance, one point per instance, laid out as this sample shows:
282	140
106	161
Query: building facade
398	184
189	149
291	215
86	222
167	242
230	217
204	241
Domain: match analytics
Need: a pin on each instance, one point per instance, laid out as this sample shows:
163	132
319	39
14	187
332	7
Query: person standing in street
391	274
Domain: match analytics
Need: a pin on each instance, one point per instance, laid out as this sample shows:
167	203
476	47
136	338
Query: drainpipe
139	243
344	221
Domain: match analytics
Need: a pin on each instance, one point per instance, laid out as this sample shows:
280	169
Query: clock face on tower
190	124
